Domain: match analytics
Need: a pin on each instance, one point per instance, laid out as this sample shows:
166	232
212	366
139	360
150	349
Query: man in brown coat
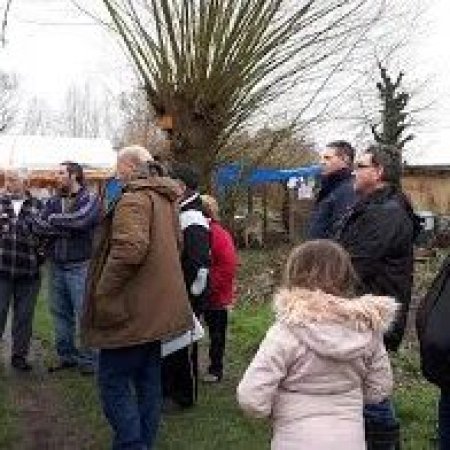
135	298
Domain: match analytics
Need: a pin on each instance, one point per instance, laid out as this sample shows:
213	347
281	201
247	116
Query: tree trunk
194	140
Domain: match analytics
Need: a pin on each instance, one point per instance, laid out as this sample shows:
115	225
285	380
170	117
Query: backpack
433	330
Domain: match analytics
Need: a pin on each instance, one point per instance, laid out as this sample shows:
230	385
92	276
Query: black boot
382	437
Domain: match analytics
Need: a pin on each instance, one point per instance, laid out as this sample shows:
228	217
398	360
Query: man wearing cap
180	370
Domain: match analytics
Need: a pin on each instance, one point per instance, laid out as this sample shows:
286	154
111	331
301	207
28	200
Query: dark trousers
444	421
381	426
217	322
130	390
180	376
22	292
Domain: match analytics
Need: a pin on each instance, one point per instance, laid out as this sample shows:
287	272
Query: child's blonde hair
211	206
321	264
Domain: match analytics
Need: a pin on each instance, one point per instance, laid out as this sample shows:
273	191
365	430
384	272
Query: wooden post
264	204
249	200
292	230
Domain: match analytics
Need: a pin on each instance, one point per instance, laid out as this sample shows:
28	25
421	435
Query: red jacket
223	266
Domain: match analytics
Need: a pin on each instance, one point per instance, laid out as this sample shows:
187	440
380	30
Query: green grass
8	416
42	324
415	401
216	423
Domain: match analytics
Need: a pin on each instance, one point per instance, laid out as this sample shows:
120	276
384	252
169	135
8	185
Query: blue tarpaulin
231	174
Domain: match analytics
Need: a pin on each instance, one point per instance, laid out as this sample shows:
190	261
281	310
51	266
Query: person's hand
4	222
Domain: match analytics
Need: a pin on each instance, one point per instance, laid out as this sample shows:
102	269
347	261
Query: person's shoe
63	365
21	364
169	406
210	378
87	370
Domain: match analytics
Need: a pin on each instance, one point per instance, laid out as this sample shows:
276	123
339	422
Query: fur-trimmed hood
332	326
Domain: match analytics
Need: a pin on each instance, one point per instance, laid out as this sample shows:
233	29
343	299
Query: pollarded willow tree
209	65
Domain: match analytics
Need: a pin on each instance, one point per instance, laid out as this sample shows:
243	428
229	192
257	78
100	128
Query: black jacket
334	199
195	257
21	251
379	233
433	330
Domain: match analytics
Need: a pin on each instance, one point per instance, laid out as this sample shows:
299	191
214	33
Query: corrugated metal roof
47	152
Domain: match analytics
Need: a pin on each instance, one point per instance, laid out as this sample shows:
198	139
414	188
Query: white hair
135	153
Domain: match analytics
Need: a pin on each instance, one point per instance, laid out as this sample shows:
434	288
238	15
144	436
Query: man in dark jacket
180	369
69	219
378	233
336	194
20	258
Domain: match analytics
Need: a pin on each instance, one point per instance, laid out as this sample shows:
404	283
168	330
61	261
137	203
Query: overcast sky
52	45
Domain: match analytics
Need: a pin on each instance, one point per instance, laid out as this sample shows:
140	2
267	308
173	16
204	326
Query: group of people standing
131	272
59	230
322	373
126	273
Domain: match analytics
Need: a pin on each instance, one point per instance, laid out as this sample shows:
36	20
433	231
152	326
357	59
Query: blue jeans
444	421
67	291
381	413
130	390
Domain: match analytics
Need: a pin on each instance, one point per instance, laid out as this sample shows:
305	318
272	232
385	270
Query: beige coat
322	359
136	291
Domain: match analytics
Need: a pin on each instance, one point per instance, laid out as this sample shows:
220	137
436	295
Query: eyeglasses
362	166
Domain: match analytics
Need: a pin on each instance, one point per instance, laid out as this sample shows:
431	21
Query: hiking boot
63	365
87	370
20	363
169	406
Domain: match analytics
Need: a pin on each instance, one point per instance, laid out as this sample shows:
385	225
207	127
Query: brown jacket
135	289
319	363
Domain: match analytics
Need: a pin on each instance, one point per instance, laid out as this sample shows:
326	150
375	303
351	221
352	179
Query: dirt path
43	422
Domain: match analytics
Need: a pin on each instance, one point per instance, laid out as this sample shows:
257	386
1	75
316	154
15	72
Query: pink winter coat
318	364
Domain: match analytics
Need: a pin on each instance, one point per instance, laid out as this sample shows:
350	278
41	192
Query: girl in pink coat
323	358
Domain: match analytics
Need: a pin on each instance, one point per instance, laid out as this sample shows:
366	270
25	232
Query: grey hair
137	154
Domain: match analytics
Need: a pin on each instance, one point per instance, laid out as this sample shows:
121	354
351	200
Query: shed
426	179
295	212
40	156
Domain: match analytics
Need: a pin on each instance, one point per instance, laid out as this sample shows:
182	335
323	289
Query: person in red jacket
222	278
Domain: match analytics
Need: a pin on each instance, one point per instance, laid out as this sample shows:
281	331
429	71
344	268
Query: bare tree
210	65
138	125
270	147
4	23
37	119
357	108
81	114
8	91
